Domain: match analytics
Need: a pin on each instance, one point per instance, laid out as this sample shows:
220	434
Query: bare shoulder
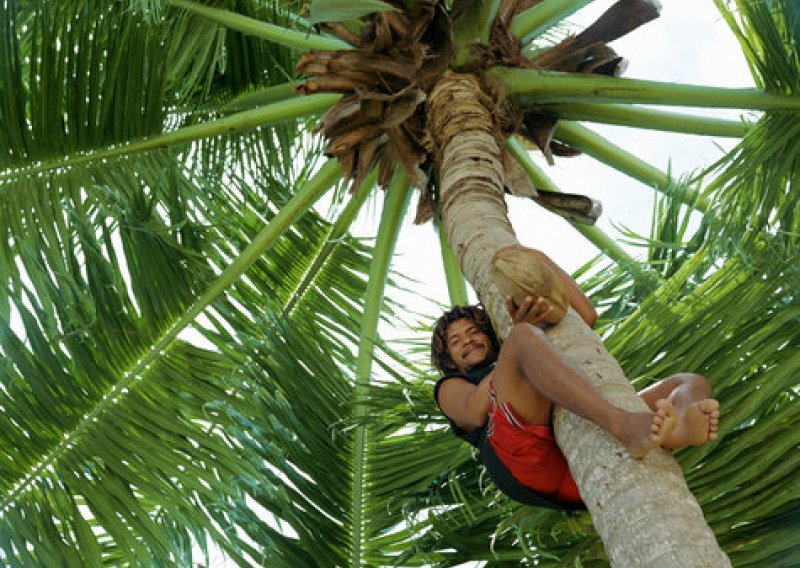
464	403
453	388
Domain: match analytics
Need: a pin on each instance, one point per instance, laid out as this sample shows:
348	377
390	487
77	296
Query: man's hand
531	310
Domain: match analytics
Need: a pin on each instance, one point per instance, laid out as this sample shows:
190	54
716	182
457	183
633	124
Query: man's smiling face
467	345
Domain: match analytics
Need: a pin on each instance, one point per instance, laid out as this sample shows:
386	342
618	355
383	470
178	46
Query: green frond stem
394	210
490	10
291	212
650	119
609	247
612	155
474	25
593	234
456	285
246	120
532	87
544	15
259	98
302	41
337	231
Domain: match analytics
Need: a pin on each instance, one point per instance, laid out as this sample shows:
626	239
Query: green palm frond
305	430
73	430
301	392
128	64
106	274
756	187
216	417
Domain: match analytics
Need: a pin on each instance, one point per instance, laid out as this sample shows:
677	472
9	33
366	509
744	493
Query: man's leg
531	375
697	412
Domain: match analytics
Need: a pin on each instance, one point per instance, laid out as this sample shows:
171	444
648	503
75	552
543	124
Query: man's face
467	344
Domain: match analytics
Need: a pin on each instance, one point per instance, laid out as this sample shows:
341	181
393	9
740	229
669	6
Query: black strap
507	483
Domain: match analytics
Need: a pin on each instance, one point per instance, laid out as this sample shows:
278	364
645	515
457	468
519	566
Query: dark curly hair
440	357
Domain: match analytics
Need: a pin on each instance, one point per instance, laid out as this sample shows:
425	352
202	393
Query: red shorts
530	453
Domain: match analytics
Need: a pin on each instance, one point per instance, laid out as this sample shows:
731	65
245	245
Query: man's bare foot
664	422
697	424
647	430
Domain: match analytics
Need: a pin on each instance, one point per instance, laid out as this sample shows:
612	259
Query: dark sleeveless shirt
496	469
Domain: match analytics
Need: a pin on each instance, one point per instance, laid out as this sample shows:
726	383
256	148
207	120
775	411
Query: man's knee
522	339
689	378
691	381
696	381
524	333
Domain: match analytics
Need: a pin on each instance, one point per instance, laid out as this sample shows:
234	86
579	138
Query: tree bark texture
642	510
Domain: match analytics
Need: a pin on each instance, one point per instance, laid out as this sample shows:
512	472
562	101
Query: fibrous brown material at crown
398	58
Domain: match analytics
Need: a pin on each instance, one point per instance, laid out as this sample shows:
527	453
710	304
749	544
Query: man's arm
464	403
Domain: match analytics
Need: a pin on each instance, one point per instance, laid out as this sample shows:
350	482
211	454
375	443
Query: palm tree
188	345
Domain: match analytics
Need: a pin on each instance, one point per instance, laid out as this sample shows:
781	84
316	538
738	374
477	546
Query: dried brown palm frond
396	60
572	206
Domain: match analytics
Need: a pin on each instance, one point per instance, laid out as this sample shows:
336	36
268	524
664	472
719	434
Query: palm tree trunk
642	510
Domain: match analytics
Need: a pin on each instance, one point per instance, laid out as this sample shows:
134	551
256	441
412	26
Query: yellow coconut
519	272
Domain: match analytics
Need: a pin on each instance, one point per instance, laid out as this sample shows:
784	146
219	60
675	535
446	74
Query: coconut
518	272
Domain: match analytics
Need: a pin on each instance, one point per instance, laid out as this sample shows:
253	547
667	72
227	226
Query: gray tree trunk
642	510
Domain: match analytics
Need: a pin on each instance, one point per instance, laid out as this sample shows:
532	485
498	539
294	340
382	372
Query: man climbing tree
500	399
